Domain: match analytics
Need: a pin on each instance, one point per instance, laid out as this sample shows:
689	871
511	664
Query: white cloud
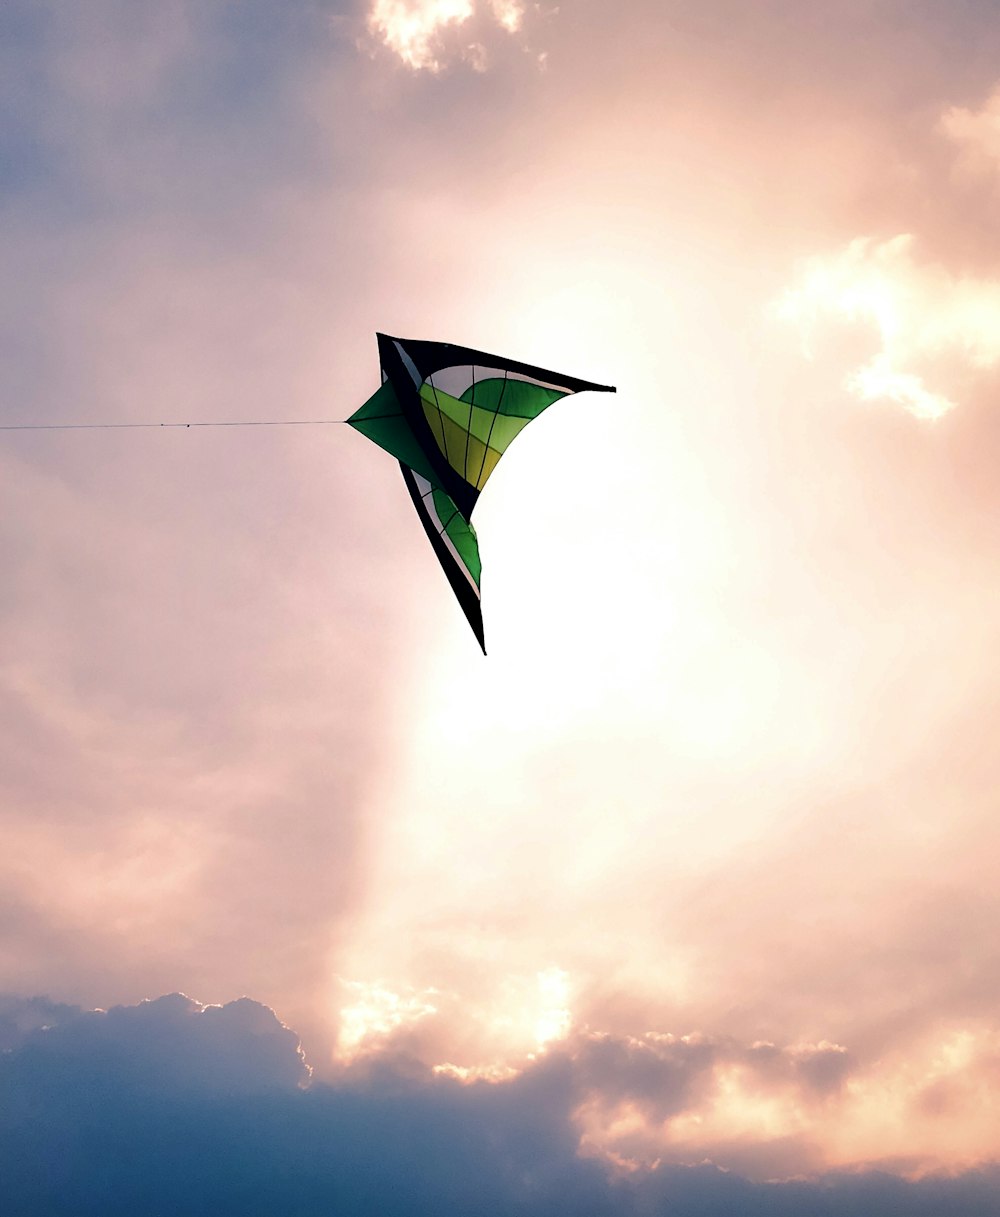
412	28
510	14
415	29
526	1015
931	329
376	1012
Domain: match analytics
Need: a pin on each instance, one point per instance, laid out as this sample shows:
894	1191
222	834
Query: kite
447	414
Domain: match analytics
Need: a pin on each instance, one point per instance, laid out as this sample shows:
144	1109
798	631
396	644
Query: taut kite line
447	414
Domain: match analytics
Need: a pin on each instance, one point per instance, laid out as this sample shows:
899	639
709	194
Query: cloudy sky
684	899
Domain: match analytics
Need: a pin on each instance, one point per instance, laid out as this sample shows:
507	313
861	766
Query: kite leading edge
447	414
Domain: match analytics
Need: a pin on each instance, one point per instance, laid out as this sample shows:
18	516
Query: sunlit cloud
803	1107
930	328
412	30
774	1110
174	1072
476	1073
509	13
415	29
632	1102
375	1013
523	1016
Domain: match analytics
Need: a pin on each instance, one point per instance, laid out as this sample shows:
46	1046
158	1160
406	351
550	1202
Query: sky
683	899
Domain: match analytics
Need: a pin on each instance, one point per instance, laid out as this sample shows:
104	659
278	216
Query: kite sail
447	414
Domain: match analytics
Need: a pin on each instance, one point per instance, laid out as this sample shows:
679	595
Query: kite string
277	422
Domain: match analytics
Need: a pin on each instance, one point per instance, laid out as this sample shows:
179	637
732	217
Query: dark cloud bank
170	1108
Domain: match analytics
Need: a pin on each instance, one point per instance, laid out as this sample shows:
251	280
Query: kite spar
447	414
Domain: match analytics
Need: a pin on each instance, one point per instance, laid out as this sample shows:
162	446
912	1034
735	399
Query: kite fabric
447	414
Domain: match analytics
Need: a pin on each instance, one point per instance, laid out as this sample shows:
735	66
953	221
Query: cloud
524	1014
415	30
374	1013
411	29
932	331
926	1098
658	1097
912	319
171	1106
171	1045
509	13
921	1090
20	1016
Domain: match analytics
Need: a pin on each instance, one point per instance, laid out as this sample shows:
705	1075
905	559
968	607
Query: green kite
447	413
